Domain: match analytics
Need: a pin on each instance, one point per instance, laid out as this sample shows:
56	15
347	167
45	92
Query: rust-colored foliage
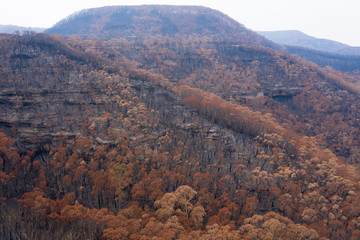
141	157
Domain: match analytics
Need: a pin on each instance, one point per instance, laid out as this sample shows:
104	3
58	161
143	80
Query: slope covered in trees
146	21
181	137
315	102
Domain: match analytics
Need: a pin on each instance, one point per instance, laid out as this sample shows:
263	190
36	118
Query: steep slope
131	154
148	157
185	137
143	22
314	101
41	88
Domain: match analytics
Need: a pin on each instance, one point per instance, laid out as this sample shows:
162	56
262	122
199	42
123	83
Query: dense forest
174	137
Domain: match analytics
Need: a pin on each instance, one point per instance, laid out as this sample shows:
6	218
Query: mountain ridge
300	39
146	21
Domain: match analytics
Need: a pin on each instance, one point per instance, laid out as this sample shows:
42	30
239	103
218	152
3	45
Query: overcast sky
332	19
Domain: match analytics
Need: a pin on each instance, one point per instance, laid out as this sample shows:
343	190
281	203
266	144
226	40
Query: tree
184	196
197	216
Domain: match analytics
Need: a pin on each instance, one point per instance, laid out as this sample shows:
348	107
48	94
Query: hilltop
147	21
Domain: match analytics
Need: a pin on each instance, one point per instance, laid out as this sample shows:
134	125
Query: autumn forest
164	122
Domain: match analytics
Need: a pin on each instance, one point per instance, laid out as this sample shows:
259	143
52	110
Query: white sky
332	19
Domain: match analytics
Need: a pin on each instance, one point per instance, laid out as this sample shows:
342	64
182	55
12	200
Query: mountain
187	137
13	28
141	22
145	22
300	39
340	62
323	52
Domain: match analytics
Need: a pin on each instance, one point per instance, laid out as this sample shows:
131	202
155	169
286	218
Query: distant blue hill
300	39
13	28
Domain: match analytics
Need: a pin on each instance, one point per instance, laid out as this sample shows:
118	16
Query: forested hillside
314	102
147	21
174	137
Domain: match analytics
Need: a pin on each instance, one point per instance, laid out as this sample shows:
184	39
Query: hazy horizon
332	19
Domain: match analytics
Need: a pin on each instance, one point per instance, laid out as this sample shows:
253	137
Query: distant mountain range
300	39
14	28
323	52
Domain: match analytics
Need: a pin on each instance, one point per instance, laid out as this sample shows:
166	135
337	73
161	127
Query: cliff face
43	90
